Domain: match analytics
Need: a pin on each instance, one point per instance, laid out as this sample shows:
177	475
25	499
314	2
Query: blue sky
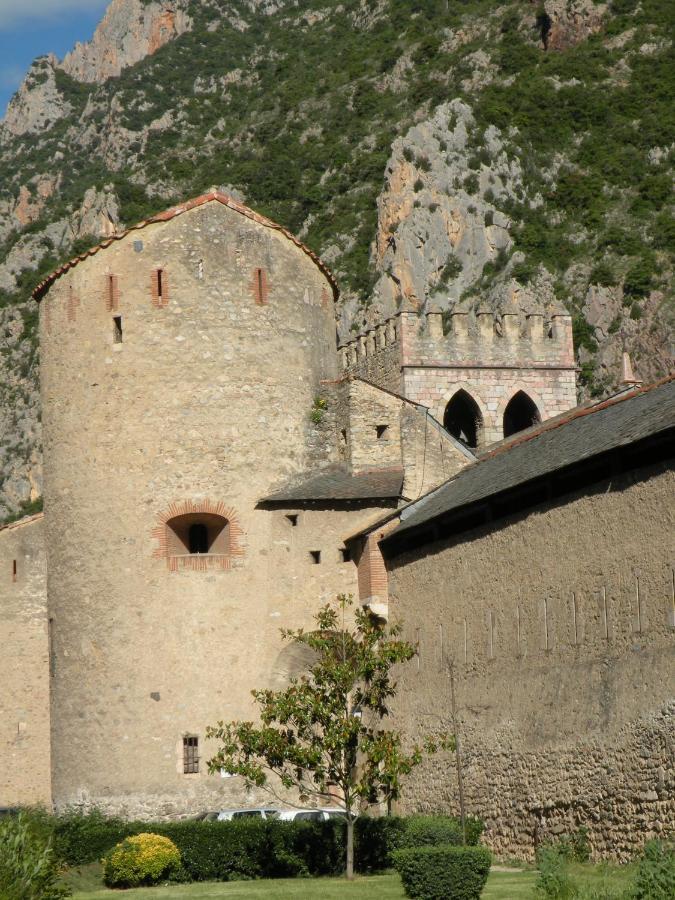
30	28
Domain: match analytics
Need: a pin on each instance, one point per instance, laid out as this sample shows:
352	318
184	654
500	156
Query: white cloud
13	12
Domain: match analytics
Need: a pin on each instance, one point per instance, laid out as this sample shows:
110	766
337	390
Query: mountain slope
551	170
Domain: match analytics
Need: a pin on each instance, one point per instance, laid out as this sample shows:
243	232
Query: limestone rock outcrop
129	31
566	23
437	225
38	103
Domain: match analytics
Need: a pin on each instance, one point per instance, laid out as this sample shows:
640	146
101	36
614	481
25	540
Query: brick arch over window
198	535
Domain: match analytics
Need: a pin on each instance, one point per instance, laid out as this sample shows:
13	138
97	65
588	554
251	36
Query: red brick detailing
198	562
159	288
169	214
372	572
111	293
325	298
260	286
72	304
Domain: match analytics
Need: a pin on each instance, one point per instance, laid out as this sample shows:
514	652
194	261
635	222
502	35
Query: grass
517	884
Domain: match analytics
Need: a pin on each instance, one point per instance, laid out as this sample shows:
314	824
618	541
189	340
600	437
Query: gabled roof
172	213
577	436
336	482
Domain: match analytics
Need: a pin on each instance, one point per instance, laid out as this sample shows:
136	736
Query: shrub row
223	851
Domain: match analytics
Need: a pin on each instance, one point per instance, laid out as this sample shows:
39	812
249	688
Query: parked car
206	816
323	814
260	812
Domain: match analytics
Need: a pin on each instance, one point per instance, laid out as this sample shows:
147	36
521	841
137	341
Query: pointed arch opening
521	412
463	419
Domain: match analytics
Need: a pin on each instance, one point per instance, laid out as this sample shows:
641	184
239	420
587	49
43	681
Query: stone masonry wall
561	627
24	666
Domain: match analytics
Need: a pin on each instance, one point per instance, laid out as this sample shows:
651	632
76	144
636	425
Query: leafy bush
422	831
28	869
443	872
554	880
655	875
639	279
140	860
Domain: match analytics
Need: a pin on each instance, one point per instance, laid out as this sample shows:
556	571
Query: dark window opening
13	570
343	435
293	519
382	431
160	283
520	413
198	533
198	537
112	292
345	554
315	556
190	755
118	337
463	419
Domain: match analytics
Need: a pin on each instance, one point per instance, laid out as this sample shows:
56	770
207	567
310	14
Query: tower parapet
492	355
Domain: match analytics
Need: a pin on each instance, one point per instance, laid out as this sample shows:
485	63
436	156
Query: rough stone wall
205	401
430	454
492	357
374	435
561	626
24	666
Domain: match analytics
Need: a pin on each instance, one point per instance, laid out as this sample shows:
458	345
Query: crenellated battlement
481	338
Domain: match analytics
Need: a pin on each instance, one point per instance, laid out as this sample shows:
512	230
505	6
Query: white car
260	812
323	814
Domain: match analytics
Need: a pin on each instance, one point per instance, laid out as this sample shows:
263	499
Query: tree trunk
350	848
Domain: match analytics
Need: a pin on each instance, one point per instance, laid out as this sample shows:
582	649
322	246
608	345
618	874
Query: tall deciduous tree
323	736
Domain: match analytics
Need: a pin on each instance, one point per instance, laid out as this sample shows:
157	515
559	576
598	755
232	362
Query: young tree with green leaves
324	735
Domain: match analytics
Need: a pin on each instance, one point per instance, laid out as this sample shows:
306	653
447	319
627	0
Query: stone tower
179	365
484	373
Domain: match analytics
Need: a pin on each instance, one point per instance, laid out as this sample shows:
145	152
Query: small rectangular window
160	284
345	554
190	755
382	431
117	330
13	570
292	519
315	556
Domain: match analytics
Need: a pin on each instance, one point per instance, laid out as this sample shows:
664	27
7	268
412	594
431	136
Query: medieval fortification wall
561	628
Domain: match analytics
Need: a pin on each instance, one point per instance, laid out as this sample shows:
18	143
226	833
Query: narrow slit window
112	293
118	337
13	570
292	519
260	286
190	755
345	554
160	285
315	556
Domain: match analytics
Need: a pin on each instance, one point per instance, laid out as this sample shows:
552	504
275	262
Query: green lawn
502	885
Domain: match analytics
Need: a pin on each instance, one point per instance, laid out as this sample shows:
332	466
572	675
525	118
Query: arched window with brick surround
198	536
520	413
463	419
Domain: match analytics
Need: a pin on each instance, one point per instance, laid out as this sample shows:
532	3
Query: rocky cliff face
129	31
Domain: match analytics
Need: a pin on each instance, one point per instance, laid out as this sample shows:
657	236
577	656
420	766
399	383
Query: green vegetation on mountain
295	106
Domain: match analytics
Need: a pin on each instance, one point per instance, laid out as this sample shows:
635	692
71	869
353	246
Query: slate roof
579	435
168	214
338	483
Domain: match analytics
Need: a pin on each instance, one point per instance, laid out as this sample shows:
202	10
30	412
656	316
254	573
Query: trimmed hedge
443	872
255	848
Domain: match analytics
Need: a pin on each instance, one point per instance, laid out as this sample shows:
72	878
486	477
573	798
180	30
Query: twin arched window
464	421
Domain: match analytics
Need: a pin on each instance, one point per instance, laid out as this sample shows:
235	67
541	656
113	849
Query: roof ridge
178	210
26	520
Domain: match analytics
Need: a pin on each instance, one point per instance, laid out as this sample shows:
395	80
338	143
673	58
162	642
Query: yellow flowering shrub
139	860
